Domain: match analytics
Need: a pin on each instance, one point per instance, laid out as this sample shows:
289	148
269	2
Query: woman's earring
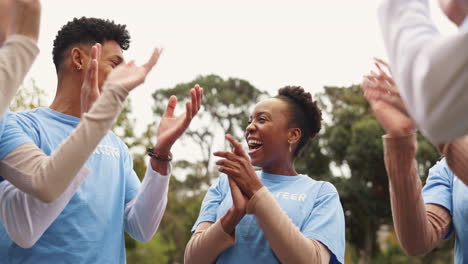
78	67
290	147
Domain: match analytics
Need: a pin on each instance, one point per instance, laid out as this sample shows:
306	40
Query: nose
250	128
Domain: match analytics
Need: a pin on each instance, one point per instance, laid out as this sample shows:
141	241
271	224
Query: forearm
456	154
143	214
416	230
427	67
16	57
25	218
47	177
284	238
208	241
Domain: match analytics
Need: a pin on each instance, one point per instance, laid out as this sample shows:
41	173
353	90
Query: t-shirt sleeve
13	136
213	198
132	183
438	188
326	222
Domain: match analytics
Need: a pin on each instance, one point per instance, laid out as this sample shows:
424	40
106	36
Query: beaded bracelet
150	152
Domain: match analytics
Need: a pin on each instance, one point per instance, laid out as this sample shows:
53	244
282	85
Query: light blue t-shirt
12	131
91	227
313	206
2	126
445	189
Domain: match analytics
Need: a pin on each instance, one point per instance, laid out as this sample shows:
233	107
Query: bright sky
269	43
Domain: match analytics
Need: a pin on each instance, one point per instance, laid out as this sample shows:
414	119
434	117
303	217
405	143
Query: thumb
171	105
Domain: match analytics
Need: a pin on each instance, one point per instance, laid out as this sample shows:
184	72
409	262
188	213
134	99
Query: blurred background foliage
348	152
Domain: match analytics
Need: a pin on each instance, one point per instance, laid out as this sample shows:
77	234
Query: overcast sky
269	43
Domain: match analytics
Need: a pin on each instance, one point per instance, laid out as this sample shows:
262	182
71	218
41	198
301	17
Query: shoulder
222	180
327	187
322	187
27	118
441	169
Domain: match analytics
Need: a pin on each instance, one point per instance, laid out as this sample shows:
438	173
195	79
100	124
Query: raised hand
89	88
172	127
129	75
25	18
237	166
385	100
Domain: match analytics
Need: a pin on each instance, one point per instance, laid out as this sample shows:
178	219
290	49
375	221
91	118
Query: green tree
226	108
29	96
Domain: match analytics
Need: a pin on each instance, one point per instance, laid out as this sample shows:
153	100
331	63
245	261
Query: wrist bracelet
150	152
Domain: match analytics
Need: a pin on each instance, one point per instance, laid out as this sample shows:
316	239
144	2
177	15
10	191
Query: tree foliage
348	152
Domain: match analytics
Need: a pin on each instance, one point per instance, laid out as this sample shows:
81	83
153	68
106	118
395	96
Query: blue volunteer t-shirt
12	131
2	125
313	206
91	227
445	189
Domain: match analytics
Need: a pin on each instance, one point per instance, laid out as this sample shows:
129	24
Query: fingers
384	63
94	52
188	112
171	106
233	185
199	94
99	50
238	149
193	97
227	155
227	163
94	75
228	171
153	60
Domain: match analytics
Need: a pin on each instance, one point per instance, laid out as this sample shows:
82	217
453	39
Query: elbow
27	241
416	250
41	191
188	254
44	195
145	238
142	236
26	244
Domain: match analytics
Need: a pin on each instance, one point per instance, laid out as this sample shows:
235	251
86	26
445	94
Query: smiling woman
273	215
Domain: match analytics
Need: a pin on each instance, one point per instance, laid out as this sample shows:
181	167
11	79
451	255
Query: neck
283	167
68	97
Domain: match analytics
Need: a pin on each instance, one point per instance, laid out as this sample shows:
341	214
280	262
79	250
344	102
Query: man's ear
77	58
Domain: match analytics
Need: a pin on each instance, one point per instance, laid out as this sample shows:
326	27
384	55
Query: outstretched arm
26	218
144	212
20	28
419	227
46	177
430	69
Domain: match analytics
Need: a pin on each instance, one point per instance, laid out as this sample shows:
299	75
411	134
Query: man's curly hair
88	31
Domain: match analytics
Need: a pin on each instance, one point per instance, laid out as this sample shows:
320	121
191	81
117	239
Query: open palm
386	102
172	127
